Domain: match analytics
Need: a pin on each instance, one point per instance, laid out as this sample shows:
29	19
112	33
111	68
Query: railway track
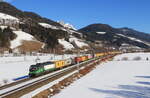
14	83
22	87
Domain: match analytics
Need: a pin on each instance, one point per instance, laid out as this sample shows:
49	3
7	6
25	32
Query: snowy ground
116	79
13	67
133	56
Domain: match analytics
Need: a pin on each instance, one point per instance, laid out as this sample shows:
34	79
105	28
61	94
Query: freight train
41	68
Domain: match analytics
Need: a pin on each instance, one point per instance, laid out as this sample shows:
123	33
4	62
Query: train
49	66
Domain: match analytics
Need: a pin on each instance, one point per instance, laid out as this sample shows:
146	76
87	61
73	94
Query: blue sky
117	13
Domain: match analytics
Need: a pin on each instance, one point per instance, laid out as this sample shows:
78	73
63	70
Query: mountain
50	35
116	36
134	33
22	31
13	11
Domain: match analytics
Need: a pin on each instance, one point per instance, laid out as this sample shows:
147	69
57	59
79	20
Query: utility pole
37	60
63	56
25	57
78	67
54	54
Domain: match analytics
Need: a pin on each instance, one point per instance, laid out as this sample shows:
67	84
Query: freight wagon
99	54
81	59
59	64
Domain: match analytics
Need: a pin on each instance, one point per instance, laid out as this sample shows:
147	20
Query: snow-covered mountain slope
101	32
8	20
113	36
50	32
135	34
73	43
8	17
78	42
71	31
21	36
67	25
66	45
46	25
135	39
3	27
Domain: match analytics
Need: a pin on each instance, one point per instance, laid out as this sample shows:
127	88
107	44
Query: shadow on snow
145	83
142	76
129	91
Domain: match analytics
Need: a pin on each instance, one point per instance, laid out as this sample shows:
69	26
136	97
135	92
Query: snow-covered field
133	56
120	78
13	67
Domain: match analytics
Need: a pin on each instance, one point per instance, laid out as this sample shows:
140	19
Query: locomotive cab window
33	68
